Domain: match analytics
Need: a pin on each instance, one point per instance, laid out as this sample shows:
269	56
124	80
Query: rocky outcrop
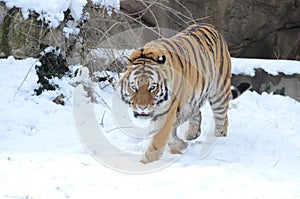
262	28
23	38
281	84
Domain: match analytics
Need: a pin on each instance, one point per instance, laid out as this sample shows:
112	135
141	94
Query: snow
53	12
247	66
109	4
42	154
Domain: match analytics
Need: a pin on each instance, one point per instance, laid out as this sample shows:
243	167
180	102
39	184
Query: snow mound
247	66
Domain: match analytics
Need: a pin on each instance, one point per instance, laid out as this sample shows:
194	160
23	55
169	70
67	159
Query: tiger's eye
133	88
152	88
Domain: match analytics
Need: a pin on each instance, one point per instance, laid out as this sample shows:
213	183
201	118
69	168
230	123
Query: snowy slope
41	155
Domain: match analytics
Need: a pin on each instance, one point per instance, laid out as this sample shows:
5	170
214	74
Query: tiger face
143	87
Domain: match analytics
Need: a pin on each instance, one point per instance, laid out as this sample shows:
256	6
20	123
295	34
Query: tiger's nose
142	107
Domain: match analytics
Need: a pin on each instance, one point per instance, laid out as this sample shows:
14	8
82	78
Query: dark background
252	28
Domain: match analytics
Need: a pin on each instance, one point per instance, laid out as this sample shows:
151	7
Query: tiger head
143	85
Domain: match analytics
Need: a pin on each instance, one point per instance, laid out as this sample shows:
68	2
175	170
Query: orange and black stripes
190	67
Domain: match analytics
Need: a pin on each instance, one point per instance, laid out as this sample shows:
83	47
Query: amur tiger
169	79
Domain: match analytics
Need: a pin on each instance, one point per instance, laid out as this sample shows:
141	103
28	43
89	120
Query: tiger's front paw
151	157
177	146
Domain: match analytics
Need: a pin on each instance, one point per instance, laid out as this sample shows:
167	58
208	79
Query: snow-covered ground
41	154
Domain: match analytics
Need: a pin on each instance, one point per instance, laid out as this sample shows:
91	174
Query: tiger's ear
161	59
125	62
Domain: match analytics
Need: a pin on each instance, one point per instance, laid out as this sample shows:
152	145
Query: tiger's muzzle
143	111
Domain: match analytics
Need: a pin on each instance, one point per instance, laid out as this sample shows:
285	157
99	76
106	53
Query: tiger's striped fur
168	80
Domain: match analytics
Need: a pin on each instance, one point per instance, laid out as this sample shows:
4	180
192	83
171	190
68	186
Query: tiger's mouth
142	114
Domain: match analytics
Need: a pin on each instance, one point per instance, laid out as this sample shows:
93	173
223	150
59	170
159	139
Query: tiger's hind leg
219	99
194	128
219	105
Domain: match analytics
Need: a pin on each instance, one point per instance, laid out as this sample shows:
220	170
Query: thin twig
102	120
94	91
119	128
18	89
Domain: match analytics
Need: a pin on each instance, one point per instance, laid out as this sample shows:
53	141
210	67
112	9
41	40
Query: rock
59	99
24	38
262	28
287	85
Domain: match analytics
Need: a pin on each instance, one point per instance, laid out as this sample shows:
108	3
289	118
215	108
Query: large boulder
261	28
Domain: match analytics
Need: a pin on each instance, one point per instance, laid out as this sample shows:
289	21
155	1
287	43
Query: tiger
169	79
